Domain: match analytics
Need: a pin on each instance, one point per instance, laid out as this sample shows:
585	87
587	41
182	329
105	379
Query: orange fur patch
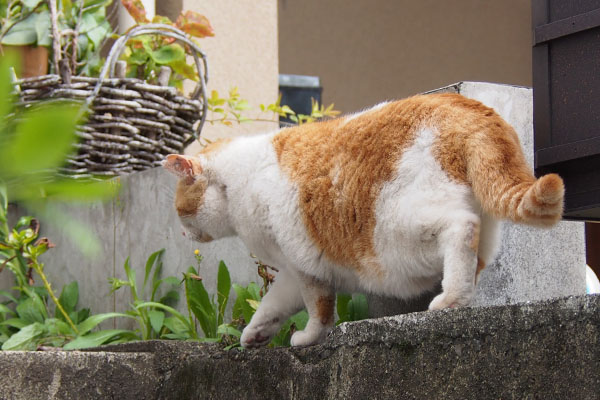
480	267
189	195
340	167
325	306
474	244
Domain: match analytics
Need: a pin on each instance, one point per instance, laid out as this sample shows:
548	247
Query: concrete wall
546	350
368	51
533	263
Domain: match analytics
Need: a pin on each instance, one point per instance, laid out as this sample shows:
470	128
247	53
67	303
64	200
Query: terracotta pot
34	59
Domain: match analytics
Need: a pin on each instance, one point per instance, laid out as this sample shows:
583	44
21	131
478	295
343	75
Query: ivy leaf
168	54
31	3
161	19
23	32
136	9
42	29
183	68
195	24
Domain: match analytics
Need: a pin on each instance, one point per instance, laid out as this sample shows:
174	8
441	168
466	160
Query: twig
55	35
74	39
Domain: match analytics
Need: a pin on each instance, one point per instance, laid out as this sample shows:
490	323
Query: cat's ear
182	166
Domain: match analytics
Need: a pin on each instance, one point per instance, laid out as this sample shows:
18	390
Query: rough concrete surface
544	350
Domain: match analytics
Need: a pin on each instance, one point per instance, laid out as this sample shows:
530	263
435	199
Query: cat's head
200	199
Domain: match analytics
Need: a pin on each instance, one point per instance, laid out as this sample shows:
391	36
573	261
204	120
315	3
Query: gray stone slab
543	350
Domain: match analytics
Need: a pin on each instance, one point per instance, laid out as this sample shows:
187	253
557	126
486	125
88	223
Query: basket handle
164	30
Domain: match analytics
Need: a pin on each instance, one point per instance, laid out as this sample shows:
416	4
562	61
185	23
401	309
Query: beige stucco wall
242	53
366	51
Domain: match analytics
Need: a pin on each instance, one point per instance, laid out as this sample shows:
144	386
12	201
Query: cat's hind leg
281	301
319	300
489	243
459	244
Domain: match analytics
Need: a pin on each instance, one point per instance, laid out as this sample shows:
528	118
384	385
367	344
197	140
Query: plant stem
55	36
39	269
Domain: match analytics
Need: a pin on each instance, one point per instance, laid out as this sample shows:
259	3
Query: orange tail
505	185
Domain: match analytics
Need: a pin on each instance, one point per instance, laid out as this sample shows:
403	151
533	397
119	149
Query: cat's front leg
281	301
319	300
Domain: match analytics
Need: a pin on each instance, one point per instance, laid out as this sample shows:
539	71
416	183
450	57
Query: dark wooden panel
566	96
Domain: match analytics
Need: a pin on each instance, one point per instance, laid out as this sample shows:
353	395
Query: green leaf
168	54
223	289
241	306
81	315
98	34
131	277
42	29
72	190
42	140
29	312
5	310
156	319
26	338
68	298
22	33
300	319
31	3
171	298
358	308
227	329
15	323
154	258
63	328
98	338
8	295
186	70
201	305
342	307
176	326
23	222
93	321
171	310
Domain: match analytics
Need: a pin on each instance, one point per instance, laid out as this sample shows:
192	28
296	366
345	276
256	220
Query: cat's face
200	200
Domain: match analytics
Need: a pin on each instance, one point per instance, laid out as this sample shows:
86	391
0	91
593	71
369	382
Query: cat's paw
258	335
446	300
308	337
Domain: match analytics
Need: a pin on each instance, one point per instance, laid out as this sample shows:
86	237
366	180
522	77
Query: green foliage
33	143
150	312
83	25
146	54
230	109
24	22
351	307
26	319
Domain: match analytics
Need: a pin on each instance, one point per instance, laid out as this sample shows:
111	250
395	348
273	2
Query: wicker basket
131	124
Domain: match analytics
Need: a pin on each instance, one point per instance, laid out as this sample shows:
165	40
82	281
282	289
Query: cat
389	200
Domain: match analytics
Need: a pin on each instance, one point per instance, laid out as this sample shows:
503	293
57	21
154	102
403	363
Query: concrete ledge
547	349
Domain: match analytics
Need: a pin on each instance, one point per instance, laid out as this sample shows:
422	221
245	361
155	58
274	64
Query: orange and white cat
388	201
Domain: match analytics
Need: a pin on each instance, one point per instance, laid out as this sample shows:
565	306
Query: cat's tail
506	187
